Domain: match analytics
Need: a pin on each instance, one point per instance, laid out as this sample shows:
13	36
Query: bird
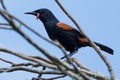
70	38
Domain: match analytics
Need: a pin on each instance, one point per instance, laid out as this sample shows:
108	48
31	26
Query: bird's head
42	14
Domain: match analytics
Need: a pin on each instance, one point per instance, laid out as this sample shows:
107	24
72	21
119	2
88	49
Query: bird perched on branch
70	38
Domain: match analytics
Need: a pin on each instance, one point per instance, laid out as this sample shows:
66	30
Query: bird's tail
104	48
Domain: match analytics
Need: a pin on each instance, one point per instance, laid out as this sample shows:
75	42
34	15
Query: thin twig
41	58
2	3
6	28
7	61
80	65
6	24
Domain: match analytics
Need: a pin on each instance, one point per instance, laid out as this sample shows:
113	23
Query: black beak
32	13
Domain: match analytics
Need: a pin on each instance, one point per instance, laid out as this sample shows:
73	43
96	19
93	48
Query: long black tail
104	48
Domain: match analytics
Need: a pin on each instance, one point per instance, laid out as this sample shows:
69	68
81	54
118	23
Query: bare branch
6	28
25	64
28	69
80	65
2	3
41	58
5	24
10	62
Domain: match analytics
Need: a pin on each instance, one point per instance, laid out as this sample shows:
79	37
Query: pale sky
100	20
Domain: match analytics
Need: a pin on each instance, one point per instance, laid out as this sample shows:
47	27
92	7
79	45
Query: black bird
70	38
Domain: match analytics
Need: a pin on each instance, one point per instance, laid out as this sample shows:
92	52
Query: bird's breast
51	31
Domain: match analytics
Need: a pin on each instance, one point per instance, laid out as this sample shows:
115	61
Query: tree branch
80	65
2	3
5	26
28	70
10	62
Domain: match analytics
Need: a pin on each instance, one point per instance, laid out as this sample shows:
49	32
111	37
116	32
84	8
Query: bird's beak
32	13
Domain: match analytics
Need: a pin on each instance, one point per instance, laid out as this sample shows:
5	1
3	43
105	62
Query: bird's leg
70	54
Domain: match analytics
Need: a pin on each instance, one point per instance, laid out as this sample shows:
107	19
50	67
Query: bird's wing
70	28
64	26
